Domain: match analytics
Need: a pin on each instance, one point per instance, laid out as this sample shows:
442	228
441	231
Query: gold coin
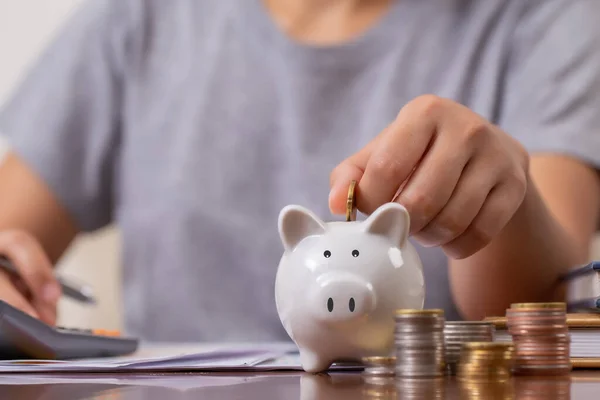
410	311
555	305
351	203
487	345
379	360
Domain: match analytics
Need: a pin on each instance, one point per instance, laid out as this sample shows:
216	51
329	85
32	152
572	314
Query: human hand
460	177
36	291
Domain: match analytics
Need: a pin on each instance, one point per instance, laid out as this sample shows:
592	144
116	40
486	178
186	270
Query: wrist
535	222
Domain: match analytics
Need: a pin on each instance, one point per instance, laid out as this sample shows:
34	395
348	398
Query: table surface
282	386
580	384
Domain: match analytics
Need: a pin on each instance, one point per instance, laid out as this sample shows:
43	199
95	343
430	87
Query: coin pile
458	332
541	338
379	366
419	343
485	361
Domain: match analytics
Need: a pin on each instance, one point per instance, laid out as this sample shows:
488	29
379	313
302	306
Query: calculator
25	337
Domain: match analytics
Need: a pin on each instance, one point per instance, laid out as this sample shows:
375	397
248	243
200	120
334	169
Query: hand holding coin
460	177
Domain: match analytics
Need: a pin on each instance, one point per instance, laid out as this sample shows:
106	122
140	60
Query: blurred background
26	26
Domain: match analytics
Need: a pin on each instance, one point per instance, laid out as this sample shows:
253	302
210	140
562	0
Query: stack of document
584	330
207	358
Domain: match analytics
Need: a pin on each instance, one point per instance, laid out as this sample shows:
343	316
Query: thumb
340	180
351	169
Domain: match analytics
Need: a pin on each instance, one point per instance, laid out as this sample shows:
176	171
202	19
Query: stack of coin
485	361
419	342
458	332
541	338
379	366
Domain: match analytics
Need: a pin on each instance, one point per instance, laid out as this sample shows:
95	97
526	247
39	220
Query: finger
44	312
47	312
394	158
493	216
471	191
342	176
434	180
352	168
21	286
10	295
33	265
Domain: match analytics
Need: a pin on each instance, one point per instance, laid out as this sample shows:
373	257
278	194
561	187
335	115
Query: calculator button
105	332
73	330
66	330
62	328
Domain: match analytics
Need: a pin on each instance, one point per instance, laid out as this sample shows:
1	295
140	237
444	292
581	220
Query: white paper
206	358
209	358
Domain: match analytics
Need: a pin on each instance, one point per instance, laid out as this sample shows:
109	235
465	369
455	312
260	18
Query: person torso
226	121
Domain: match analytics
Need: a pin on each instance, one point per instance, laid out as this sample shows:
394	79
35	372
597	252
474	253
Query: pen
581	270
591	305
81	293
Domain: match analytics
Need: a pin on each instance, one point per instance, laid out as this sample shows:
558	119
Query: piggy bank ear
391	220
296	223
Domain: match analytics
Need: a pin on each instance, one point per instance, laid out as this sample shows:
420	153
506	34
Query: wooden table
282	386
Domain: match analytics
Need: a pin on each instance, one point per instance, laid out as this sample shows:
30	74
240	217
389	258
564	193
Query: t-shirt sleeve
552	89
64	117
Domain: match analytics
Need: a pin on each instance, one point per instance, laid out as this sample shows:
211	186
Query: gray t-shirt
193	123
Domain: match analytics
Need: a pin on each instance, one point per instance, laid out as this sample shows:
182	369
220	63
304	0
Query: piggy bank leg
313	363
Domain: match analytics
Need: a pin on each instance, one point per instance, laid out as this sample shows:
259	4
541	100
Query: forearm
521	264
29	206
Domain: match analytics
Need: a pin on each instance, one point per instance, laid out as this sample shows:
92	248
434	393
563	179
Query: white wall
25	27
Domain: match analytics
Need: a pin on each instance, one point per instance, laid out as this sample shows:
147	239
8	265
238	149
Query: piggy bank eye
327	254
355	253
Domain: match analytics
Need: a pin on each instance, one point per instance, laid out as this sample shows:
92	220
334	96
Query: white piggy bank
339	283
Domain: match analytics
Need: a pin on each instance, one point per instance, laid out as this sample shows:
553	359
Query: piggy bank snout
341	297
